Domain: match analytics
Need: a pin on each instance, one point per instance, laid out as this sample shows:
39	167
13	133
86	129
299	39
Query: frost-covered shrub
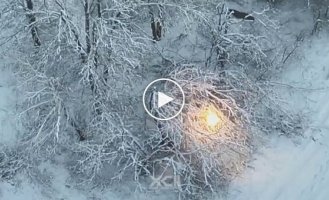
204	154
11	163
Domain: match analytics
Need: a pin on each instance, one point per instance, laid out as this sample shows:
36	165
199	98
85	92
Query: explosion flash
212	119
206	119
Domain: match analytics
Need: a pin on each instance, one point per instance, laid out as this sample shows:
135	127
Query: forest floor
285	168
296	168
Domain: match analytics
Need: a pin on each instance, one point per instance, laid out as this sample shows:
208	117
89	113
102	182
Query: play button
163	99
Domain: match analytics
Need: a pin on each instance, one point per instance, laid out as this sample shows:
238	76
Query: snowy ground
290	169
283	169
7	107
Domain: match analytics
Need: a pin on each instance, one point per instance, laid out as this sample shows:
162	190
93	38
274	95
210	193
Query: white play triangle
163	99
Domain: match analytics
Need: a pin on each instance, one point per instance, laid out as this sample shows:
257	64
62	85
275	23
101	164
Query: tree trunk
32	20
88	40
87	26
95	37
94	32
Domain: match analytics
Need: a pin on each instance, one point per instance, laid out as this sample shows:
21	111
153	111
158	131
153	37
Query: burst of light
212	118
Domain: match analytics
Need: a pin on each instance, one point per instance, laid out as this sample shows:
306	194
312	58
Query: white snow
296	170
285	169
7	106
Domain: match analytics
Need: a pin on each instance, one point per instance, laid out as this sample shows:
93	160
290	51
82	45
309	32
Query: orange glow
212	118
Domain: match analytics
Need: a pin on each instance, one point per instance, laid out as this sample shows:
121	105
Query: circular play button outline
163	79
